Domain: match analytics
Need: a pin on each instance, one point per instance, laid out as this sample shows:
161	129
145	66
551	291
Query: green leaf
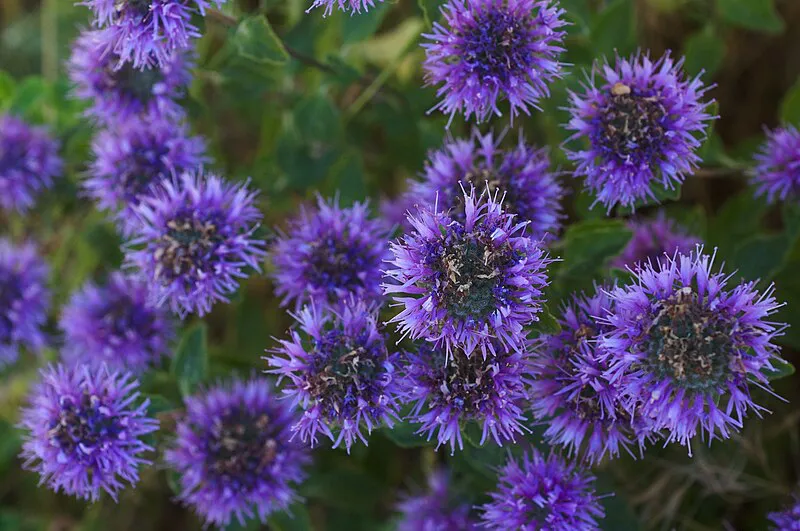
404	434
317	119
761	256
612	30
547	323
363	26
344	488
790	106
159	404
782	370
758	15
704	50
295	518
190	364
431	9
7	87
256	40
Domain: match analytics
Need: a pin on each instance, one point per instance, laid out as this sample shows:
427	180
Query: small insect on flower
542	493
450	392
24	300
354	6
789	518
195	241
234	453
532	191
132	158
438	509
644	121
330	254
84	428
29	161
339	372
492	50
117	92
690	348
467	283
115	324
652	239
777	170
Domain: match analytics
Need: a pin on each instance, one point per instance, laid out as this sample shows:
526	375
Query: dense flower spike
354	6
29	162
542	493
522	174
135	156
438	509
234	454
643	120
84	429
118	92
195	241
691	349
777	170
114	324
490	50
448	393
24	300
789	518
652	239
339	371
330	254
469	283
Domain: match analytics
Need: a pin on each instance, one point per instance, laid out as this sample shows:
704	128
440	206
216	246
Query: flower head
29	162
355	6
129	160
195	241
339	371
24	300
330	254
467	283
542	493
490	50
450	391
789	518
84	429
644	120
690	348
234	453
114	324
521	175
777	170
438	509
652	240
117	92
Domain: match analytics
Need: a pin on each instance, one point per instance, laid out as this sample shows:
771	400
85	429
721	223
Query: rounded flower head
438	509
195	241
643	121
24	300
114	324
339	372
354	6
117	92
449	391
777	170
542	493
789	518
84	430
652	239
234	454
468	283
29	162
522	174
134	157
490	50
330	254
689	348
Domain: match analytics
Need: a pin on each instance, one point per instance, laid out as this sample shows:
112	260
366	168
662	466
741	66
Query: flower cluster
438	509
652	240
777	170
789	518
355	6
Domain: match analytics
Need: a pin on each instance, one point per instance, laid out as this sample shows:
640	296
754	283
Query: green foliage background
301	104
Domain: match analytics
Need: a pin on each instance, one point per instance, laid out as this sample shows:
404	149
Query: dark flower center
485	179
240	447
498	45
462	382
85	426
335	264
134	83
690	343
10	293
136	8
12	157
143	167
121	316
631	125
186	248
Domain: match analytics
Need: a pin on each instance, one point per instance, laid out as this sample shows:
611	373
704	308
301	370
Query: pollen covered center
241	446
185	248
462	382
84	426
632	124
496	46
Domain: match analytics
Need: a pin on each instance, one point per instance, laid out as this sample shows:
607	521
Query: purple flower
689	348
521	175
117	92
539	493
339	371
469	283
777	171
789	518
355	6
135	156
450	391
652	239
234	454
84	430
114	324
438	509
490	50
195	241
29	162
330	254
643	125
24	300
